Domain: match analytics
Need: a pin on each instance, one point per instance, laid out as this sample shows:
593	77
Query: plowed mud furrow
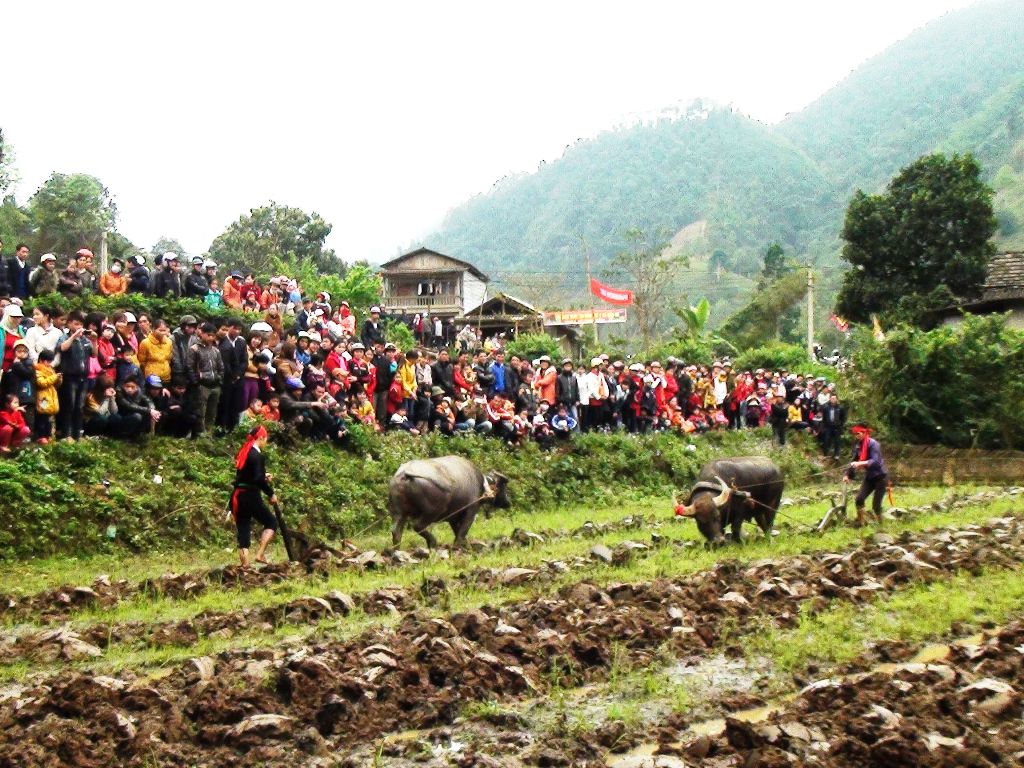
61	603
279	706
58	644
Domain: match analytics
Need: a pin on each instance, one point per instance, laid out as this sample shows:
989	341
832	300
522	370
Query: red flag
839	322
610	295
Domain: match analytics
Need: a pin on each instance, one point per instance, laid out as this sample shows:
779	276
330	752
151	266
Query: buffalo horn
723	498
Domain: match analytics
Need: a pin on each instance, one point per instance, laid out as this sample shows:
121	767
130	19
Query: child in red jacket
13	429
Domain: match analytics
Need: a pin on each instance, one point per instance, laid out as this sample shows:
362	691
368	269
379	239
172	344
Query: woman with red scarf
251	481
867	455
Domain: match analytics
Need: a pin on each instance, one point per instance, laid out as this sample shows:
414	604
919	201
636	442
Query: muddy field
514	654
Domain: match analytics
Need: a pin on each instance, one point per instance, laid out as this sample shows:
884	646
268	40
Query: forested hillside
955	85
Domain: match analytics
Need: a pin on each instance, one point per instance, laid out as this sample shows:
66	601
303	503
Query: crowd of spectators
304	361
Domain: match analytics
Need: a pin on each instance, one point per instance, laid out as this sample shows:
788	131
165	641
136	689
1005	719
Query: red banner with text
610	295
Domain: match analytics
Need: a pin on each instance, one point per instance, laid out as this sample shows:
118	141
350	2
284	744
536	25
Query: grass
921	612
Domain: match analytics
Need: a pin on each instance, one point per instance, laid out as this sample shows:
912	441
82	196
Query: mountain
955	85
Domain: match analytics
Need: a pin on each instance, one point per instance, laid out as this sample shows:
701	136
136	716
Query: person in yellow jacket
155	352
407	376
47	403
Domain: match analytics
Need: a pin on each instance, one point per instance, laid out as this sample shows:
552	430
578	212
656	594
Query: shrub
530	346
62	499
957	386
773	356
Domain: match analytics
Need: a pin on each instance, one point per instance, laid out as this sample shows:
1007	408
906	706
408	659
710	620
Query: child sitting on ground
272	410
252	414
13	429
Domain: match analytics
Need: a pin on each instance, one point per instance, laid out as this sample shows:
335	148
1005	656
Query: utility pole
593	308
810	312
103	252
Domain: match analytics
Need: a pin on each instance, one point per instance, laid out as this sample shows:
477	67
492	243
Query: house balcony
435	305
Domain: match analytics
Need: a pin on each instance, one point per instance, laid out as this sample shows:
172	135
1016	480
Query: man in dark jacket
138	275
18	271
233	351
373	329
182	338
443	373
196	286
778	417
567	390
167	282
833	421
206	376
137	411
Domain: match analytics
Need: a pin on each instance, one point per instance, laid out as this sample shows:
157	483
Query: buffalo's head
705	508
496	489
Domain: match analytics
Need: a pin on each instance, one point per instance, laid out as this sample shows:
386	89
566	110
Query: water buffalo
731	491
446	489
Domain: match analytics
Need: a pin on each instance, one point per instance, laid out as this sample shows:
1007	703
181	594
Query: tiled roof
1005	277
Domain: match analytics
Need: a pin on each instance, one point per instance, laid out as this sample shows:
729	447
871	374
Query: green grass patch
922	612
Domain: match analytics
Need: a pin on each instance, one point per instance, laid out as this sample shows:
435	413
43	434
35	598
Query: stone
513	576
602	553
341	601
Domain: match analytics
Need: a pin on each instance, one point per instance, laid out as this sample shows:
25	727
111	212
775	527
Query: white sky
383	116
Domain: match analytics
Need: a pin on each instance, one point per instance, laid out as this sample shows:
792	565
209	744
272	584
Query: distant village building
427	281
1003	292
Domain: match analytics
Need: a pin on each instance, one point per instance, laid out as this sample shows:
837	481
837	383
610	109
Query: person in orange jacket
545	381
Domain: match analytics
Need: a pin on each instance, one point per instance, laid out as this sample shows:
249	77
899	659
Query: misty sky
383	116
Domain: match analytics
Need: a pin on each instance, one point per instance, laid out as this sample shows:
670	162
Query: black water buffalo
731	491
446	489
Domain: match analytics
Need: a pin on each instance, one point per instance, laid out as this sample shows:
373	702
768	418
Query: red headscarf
865	434
257	434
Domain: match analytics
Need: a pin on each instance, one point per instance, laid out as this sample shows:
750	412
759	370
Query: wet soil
311	704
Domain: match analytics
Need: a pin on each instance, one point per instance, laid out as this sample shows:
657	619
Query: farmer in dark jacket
867	455
778	417
833	421
205	369
138	275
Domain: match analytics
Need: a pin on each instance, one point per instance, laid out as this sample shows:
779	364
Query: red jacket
14	419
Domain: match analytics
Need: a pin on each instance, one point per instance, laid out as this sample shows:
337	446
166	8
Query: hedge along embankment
100	495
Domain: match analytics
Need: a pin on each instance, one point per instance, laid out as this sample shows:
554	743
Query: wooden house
427	281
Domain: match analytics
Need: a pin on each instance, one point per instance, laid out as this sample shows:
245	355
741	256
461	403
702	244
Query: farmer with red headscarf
867	455
251	481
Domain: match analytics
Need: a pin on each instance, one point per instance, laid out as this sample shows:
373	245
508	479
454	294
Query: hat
260	327
47	257
303	334
170	256
236	273
567	361
595	361
604	357
130	318
753	400
209	264
275	280
294	382
636	367
344	303
397	418
197	259
154	381
325	294
188	320
314	336
13	310
544	359
357	345
21	343
436	391
84	252
618	364
318	313
388	346
139	258
374	309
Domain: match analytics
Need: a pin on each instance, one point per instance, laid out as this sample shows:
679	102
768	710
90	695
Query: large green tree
275	238
167	245
70	211
925	238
